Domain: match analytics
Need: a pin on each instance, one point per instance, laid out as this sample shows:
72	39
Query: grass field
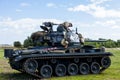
112	73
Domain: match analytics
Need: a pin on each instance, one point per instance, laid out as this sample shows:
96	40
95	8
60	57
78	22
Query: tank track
36	74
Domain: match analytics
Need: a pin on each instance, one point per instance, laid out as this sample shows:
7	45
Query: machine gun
48	26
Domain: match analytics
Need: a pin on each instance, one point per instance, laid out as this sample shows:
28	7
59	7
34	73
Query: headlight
17	52
102	49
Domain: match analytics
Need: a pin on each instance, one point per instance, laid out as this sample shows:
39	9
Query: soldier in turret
64	28
81	39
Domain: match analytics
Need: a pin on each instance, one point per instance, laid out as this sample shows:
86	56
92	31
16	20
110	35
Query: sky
93	18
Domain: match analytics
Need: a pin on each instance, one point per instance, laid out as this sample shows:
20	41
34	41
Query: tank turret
58	37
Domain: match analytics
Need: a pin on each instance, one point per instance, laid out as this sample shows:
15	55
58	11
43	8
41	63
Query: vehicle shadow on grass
17	76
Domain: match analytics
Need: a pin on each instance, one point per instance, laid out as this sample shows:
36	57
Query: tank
64	54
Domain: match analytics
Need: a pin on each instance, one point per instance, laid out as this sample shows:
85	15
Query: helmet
48	24
67	24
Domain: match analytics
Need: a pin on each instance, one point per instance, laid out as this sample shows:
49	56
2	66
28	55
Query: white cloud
114	24
111	22
98	1
108	29
20	29
25	22
12	30
106	23
24	4
116	27
18	10
96	10
50	5
79	8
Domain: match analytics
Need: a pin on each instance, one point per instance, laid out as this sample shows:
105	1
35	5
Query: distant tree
108	43
101	39
118	43
97	45
28	42
17	44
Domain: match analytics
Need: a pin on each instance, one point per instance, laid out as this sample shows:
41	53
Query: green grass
112	73
1	53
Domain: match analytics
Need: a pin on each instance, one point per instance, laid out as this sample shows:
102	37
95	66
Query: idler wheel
84	68
30	65
60	70
72	69
46	71
105	62
95	68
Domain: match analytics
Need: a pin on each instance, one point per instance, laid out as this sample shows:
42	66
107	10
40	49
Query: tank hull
61	62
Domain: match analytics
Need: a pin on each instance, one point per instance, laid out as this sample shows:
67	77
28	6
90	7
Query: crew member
64	28
81	39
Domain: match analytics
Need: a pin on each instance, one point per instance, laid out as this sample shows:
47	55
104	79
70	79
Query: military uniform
81	39
61	28
64	28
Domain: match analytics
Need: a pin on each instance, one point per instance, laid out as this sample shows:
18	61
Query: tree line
109	43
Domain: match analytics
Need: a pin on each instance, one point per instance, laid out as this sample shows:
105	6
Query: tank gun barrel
49	23
55	24
95	40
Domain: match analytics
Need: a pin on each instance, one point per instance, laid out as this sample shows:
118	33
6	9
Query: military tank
57	59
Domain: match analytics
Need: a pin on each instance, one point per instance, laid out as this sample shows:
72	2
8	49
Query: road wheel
46	71
60	70
30	65
95	68
72	69
84	68
105	62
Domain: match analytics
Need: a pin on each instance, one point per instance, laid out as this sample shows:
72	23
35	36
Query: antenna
76	31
